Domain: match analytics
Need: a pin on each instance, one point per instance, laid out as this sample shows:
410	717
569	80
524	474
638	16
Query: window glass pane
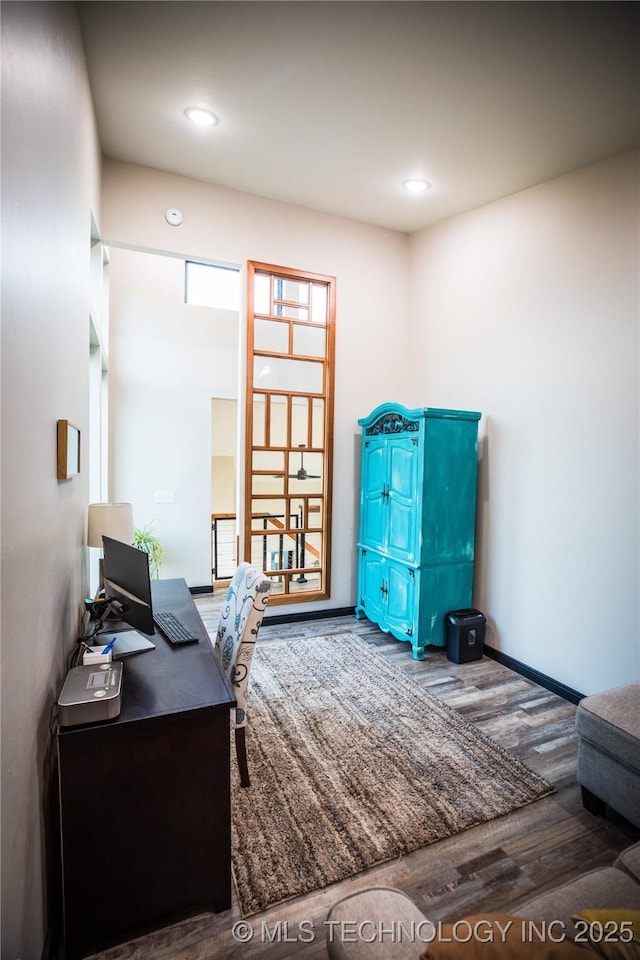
271	335
267	484
261	293
296	313
313	549
208	285
309	341
258	420
297	506
278	422
314	513
263	513
305	465
317	408
274	373
300	422
268	460
296	291
312	484
319	303
280	551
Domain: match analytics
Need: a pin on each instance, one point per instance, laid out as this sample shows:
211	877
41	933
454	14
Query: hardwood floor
488	868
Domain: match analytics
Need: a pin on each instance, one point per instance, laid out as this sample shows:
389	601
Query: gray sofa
608	729
353	923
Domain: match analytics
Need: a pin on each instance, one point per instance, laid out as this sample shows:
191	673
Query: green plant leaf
145	539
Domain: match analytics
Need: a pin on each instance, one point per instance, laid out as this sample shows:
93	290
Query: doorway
224	488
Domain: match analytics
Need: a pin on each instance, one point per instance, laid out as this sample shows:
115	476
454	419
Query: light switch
165	496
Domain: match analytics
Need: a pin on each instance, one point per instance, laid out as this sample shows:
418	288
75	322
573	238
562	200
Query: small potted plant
145	539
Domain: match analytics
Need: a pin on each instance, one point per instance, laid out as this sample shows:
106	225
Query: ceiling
331	104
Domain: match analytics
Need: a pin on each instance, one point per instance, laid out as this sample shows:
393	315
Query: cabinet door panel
374	506
372	597
400	598
404	469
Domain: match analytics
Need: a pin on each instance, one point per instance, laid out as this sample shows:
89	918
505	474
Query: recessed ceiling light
416	186
203	118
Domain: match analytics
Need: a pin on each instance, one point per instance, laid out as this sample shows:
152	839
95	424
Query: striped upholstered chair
240	620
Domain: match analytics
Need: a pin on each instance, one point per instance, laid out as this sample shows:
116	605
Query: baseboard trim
324	614
567	693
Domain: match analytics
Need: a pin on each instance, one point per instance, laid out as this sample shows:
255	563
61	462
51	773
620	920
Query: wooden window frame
327	394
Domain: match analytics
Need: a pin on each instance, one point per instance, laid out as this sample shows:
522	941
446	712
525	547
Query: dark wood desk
145	798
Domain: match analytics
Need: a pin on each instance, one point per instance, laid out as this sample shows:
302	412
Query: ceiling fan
302	473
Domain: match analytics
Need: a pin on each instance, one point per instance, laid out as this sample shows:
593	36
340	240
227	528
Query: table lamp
113	520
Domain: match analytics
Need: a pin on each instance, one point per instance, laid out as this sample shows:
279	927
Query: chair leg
241	755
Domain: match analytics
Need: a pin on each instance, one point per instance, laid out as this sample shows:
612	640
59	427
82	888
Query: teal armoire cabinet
417	520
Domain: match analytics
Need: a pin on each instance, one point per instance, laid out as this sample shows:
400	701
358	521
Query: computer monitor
127	581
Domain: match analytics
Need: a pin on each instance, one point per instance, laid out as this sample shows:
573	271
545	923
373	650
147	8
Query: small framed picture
68	450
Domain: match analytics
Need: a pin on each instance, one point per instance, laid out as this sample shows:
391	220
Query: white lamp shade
113	520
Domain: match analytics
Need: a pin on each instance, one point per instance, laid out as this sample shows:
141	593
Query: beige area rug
352	764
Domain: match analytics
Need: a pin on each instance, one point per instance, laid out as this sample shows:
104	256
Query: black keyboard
174	629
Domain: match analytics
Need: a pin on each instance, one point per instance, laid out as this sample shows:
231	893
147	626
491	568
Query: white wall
50	173
166	360
528	310
369	263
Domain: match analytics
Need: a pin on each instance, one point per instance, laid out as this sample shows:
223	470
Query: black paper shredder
465	635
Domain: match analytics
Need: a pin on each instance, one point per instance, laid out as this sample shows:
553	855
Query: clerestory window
211	285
